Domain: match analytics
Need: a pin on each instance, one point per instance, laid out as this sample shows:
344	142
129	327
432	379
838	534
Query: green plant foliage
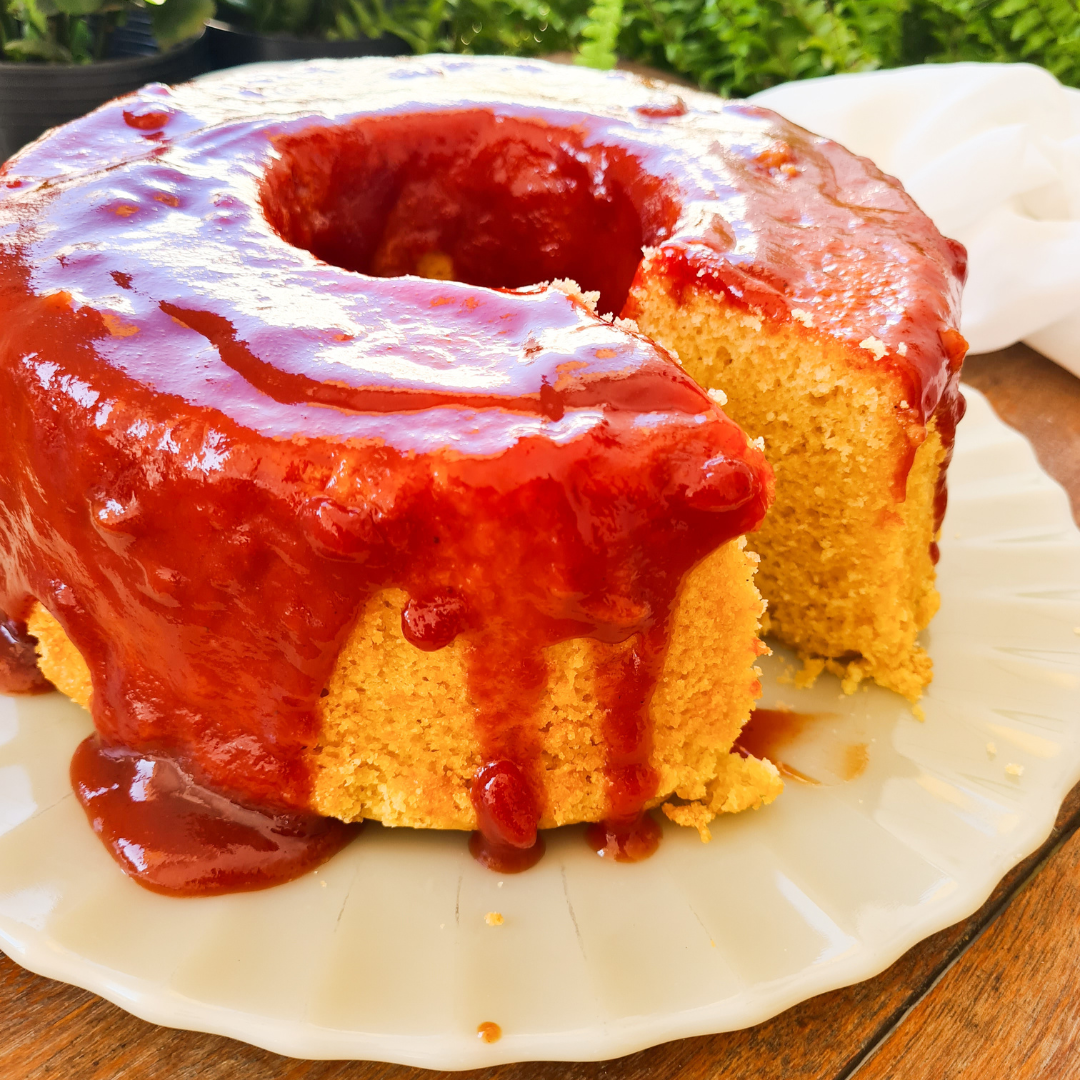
736	47
741	46
50	31
303	18
174	21
77	31
508	27
733	46
1045	32
513	27
600	33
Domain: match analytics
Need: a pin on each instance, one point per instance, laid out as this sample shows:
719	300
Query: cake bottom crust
398	741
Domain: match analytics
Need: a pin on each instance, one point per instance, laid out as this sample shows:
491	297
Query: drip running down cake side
334	512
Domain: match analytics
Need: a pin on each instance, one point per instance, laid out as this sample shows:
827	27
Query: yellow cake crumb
850	674
846	565
875	346
494	918
1012	769
991	749
435	265
61	663
569	287
692	815
812	667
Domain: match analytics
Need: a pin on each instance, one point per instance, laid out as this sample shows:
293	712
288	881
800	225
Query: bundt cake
325	488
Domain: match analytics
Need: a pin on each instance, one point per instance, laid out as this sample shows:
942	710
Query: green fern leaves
600	33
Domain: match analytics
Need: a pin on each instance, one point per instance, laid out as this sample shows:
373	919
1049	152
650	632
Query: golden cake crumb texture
846	568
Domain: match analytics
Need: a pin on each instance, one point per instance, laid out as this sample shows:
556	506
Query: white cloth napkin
992	153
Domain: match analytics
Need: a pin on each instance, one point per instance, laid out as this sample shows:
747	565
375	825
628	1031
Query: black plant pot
36	97
228	46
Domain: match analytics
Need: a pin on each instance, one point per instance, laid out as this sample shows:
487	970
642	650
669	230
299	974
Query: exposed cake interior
848	547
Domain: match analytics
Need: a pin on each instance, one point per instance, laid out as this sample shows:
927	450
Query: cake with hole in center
363	455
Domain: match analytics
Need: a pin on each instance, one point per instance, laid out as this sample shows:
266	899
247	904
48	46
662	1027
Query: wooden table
990	997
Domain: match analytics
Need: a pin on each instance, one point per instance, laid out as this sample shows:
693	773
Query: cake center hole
469	196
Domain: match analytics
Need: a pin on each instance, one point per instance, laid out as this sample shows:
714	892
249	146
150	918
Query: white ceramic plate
385	952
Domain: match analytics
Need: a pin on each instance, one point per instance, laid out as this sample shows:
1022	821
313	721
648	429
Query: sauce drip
507	812
177	837
488	1032
505	858
771	734
626	681
432	623
19	672
625	841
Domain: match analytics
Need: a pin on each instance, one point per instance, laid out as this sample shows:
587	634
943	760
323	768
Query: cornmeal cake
327	494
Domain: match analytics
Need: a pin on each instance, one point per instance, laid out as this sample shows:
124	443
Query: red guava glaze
145	120
178	837
223	431
507	808
625	841
228	419
19	672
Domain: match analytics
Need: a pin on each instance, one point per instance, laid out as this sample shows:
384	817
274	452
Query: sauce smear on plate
773	734
174	836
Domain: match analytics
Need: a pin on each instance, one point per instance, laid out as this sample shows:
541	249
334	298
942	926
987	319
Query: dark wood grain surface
997	995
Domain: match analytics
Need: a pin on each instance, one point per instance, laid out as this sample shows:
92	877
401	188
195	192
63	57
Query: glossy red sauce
507	202
949	413
227	423
625	840
503	858
178	837
19	672
768	731
488	1032
507	811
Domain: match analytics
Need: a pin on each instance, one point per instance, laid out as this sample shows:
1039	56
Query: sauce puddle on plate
813	748
177	837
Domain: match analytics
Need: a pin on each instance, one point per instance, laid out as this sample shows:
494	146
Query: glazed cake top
579	168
